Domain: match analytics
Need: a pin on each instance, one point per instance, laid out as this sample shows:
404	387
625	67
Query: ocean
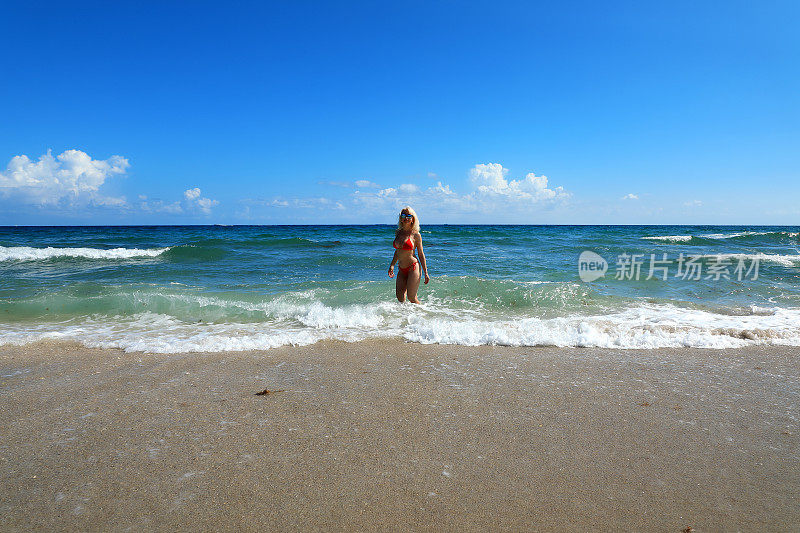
217	288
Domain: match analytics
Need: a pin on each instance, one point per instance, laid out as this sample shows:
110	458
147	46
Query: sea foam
640	327
646	326
27	253
719	236
670	238
785	260
747	234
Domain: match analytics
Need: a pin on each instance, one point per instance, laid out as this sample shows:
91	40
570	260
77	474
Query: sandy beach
388	435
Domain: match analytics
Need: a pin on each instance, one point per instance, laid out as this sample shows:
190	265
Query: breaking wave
643	326
27	253
765	237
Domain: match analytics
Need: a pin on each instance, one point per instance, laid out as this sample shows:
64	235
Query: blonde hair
414	226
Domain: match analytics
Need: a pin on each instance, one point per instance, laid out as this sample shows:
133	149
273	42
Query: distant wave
748	234
267	241
290	242
785	260
707	238
670	238
26	253
190	252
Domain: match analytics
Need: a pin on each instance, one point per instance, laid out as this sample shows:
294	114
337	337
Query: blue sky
341	112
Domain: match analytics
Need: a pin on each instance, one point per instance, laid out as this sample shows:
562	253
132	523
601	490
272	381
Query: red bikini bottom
407	269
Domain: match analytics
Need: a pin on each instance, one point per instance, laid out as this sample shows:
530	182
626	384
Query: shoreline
384	434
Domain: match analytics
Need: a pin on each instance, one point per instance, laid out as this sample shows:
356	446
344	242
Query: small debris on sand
267	391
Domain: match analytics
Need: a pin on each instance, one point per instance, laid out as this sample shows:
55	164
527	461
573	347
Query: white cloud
206	204
630	196
438	195
194	200
366	184
110	201
343	184
71	177
693	203
74	179
492	194
192	194
392	193
490	180
441	190
491	176
159	206
300	203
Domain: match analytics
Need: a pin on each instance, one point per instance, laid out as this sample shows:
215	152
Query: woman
406	239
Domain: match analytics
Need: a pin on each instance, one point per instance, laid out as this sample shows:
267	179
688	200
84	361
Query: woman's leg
412	284
400	286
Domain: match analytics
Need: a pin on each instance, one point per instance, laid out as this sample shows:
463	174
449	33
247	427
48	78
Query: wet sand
387	435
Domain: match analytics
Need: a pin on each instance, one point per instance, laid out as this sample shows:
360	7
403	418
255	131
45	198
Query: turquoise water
169	289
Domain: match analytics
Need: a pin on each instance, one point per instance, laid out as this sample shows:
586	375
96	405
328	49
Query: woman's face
406	218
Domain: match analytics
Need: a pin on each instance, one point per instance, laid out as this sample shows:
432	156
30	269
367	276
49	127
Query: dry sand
387	435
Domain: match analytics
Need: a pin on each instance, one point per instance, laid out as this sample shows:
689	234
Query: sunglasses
409	217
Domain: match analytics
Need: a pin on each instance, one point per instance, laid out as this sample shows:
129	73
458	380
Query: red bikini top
407	245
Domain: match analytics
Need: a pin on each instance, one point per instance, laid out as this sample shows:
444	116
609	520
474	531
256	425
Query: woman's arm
391	266
423	264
